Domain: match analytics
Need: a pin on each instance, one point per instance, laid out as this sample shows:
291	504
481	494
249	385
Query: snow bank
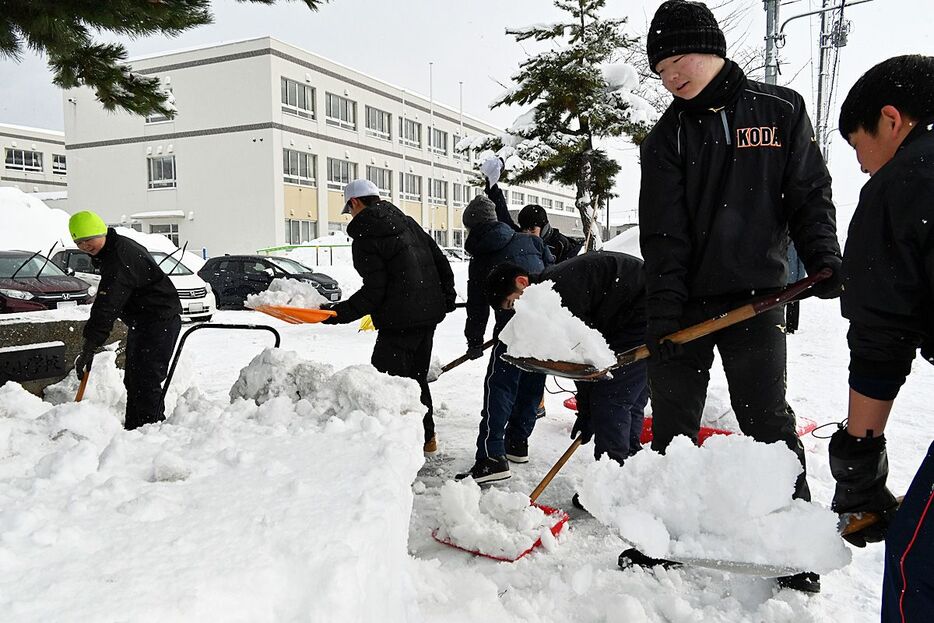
729	500
539	313
293	509
287	292
496	522
626	242
29	224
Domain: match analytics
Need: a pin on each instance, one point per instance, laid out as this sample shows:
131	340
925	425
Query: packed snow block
295	509
20	331
276	372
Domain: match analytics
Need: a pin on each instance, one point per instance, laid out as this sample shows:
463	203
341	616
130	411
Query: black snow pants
407	353
149	347
753	355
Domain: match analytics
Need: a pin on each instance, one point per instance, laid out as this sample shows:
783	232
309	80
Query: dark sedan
30	282
234	277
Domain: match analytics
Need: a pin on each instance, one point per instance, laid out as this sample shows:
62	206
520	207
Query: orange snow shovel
559	517
587	372
296	315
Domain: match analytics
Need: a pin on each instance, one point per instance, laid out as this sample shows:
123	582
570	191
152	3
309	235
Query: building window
299	231
457	155
298	99
158	117
458	238
170	231
340	173
546	203
440	236
559	205
458	195
340	111
410	186
378	123
533	200
438	141
382	178
299	168
23	160
162	172
59	165
438	192
518	199
410	133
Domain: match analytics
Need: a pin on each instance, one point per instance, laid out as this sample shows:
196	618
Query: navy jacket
491	244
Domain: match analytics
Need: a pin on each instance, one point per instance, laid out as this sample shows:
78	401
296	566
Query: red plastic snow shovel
559	516
587	372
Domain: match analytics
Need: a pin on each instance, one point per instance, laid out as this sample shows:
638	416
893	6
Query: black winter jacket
132	288
407	281
888	265
491	244
722	189
560	246
607	291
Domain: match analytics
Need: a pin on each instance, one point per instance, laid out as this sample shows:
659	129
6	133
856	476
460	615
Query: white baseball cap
356	189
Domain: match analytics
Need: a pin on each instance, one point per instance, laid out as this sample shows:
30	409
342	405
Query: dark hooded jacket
132	288
560	246
491	244
607	291
726	178
407	281
888	266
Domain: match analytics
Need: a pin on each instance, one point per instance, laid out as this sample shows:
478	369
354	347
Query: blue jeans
908	583
616	407
510	397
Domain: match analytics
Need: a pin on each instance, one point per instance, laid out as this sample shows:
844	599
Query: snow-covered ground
314	505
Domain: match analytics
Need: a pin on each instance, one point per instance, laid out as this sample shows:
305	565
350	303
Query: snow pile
237	512
29	224
539	313
626	242
727	500
287	293
496	522
620	76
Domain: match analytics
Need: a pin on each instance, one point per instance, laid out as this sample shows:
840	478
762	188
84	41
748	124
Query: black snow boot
517	451
489	469
806	582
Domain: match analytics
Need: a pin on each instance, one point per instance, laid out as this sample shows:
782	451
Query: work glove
662	350
83	360
861	466
330	319
492	169
582	427
832	286
474	351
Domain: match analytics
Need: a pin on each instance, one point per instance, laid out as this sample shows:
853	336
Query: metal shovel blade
565	369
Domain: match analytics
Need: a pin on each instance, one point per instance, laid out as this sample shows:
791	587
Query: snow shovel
457	362
587	372
83	385
559	516
296	315
854	522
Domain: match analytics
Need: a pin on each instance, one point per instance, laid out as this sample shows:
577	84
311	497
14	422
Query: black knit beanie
683	27
532	216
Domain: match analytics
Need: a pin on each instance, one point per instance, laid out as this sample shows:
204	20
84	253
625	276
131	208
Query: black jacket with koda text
727	177
133	288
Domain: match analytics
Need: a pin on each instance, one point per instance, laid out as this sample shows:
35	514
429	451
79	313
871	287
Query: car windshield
170	264
290	266
9	264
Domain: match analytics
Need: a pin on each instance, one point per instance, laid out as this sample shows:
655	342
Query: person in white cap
408	287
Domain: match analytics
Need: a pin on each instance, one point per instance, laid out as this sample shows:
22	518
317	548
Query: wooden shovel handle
859	521
83	385
463	358
554	470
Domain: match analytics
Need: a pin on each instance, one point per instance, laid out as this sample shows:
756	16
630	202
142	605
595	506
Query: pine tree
62	30
578	97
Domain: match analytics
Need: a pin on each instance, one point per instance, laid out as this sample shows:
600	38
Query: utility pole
771	41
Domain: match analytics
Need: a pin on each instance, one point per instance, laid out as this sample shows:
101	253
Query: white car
194	294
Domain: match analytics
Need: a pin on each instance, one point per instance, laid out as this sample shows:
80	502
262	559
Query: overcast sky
394	41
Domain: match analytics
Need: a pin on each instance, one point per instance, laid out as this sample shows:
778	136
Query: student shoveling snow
540	313
728	500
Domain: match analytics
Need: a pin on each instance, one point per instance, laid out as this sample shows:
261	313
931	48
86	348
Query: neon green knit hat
84	225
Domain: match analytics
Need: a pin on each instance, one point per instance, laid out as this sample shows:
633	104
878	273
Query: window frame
161	183
59	168
344	104
375	132
11	164
403	135
171	234
436	184
381	175
295	109
338	184
404	192
433	134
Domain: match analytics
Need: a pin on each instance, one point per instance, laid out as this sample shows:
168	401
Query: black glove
832	286
474	351
583	427
83	360
663	350
450	304
861	466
